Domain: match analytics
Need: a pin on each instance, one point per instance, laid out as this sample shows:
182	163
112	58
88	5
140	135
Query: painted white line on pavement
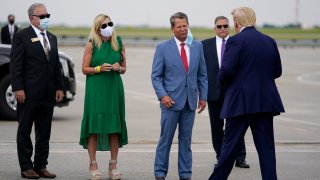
151	98
140	94
297	121
306	78
66	151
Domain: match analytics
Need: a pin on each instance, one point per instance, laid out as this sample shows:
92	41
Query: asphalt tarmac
297	132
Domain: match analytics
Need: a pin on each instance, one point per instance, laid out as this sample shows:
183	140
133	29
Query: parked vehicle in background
8	103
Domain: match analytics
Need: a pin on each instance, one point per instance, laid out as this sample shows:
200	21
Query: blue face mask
44	23
189	37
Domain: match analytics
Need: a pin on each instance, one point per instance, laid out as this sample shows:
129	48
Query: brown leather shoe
30	174
44	173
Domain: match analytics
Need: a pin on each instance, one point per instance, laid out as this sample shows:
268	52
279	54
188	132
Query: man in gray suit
179	78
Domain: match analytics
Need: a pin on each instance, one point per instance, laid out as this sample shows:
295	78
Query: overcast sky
158	12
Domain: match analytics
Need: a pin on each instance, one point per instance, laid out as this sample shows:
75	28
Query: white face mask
106	32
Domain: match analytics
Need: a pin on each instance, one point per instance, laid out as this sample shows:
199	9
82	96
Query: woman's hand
105	67
116	67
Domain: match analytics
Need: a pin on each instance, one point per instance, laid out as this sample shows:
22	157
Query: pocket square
35	39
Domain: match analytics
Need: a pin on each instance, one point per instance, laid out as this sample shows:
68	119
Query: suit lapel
37	44
52	45
177	58
215	54
192	58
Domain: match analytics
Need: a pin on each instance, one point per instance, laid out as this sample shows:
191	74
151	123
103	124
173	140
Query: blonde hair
244	16
96	38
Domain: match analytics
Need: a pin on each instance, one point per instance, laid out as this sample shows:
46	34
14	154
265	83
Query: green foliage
198	33
70	31
292	33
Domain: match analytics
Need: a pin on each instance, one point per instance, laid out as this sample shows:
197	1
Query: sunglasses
42	16
224	26
103	26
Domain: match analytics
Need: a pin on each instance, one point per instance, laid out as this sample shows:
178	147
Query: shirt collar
220	39
178	42
37	30
244	27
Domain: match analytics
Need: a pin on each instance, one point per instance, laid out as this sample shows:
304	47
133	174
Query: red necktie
184	57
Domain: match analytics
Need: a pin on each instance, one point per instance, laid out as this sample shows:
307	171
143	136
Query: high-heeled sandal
94	174
114	174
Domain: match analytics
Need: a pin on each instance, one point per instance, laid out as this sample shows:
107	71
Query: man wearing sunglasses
213	53
37	81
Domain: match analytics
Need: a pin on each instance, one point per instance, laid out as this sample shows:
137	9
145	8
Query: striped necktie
45	45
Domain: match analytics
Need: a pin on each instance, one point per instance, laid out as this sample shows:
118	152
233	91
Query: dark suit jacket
211	58
5	34
29	68
250	66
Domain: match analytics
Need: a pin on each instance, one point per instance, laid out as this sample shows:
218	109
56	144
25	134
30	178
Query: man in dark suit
8	30
179	78
37	81
213	51
251	63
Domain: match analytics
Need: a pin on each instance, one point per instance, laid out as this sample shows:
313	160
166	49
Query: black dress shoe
186	179
44	173
242	164
30	174
160	178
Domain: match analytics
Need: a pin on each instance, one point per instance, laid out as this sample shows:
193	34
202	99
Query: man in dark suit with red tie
8	30
213	52
37	81
251	63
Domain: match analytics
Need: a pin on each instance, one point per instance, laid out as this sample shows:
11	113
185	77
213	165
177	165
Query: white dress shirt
219	44
11	30
186	47
40	36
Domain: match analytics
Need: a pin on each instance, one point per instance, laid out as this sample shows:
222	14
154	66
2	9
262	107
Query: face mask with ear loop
189	37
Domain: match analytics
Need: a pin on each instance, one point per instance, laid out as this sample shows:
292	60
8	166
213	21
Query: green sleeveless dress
104	104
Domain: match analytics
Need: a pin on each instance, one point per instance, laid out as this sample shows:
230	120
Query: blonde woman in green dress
103	125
